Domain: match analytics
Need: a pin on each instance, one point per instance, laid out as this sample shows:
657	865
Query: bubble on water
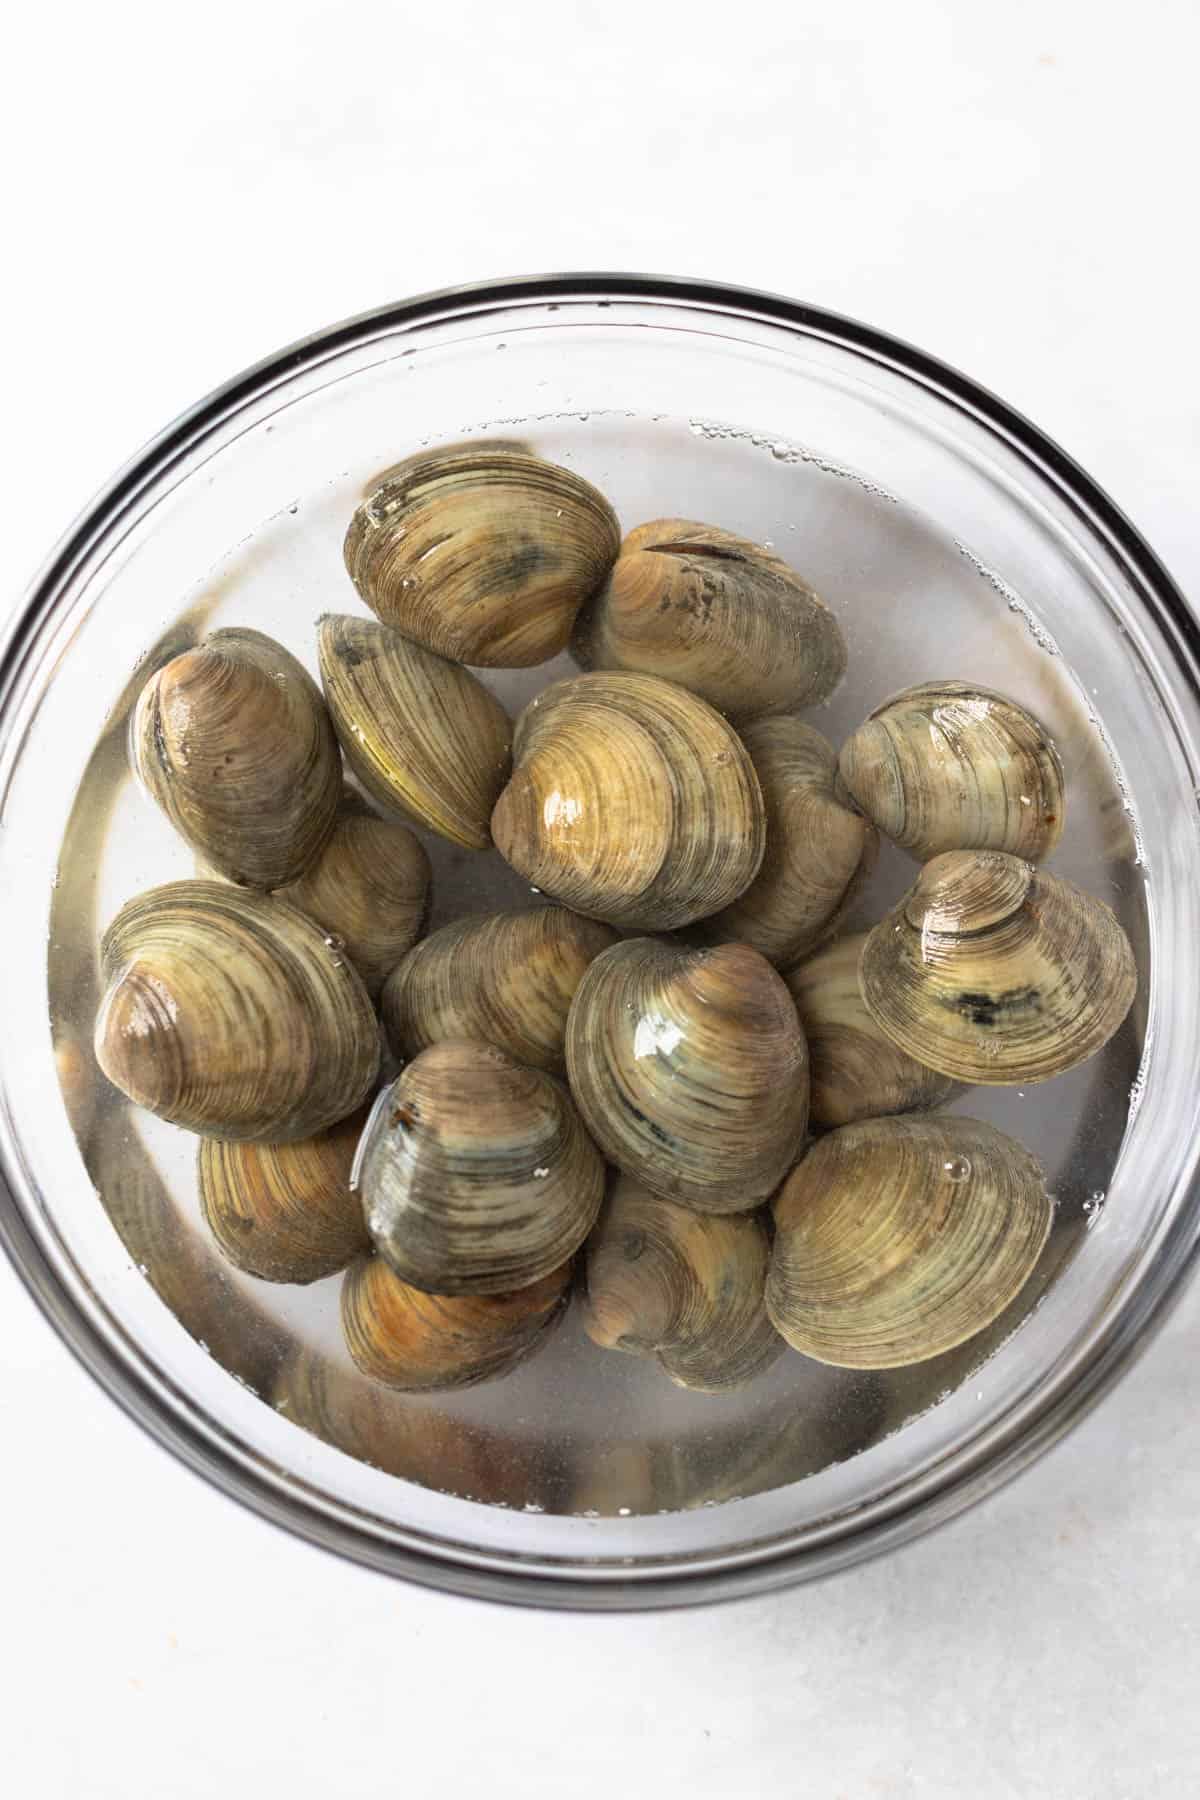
768	543
1093	1208
957	1168
623	1512
294	508
531	1506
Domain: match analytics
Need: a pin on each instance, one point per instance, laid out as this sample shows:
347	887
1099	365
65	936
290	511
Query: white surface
1011	187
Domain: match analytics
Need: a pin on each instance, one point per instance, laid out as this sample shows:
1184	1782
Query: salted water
575	1429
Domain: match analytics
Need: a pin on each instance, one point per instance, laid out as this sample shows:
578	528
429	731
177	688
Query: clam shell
631	801
418	1442
419	1342
233	742
719	615
476	1175
855	1072
992	971
690	1070
421	734
819	851
948	766
507	980
369	887
284	1212
482	552
896	1239
229	1013
681	1287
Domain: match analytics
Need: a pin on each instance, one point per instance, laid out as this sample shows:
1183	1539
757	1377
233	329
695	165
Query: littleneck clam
855	1072
819	851
284	1212
716	613
420	1342
947	766
690	1070
682	1287
420	733
476	1174
232	740
506	979
896	1239
229	1013
369	887
992	971
632	801
482	552
430	1444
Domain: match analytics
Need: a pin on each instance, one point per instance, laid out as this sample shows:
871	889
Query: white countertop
1013	189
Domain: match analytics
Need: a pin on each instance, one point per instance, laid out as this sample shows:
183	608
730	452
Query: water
574	1429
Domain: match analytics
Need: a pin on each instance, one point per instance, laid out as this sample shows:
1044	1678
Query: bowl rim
1016	1445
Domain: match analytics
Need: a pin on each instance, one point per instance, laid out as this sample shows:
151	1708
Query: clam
327	1396
632	801
719	615
896	1239
507	979
690	1070
682	1287
284	1212
855	1072
948	766
419	1342
78	1082
420	733
177	1260
369	887
233	742
229	1013
476	1175
819	851
992	971
482	552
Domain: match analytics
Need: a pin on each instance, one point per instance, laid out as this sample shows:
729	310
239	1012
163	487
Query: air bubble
1093	1208
957	1168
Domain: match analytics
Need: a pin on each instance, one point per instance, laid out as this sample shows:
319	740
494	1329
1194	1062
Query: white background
1012	187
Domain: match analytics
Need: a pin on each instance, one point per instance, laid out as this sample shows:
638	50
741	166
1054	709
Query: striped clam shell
475	1172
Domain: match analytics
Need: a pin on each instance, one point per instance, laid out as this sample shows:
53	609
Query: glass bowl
953	539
